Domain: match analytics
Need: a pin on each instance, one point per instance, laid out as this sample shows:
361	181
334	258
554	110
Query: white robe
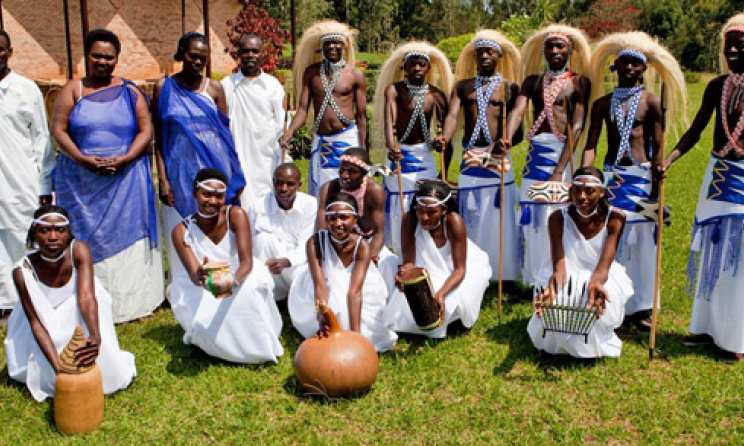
58	311
478	191
581	256
256	123
418	163
243	327
301	302
462	303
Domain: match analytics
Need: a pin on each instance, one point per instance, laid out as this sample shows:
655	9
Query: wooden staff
659	229
568	107
443	170
286	120
400	178
501	196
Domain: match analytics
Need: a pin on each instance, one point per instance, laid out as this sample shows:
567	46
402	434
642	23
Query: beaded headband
356	161
557	35
333	37
633	53
42	220
203	185
420	54
596	182
435	203
487	43
734	29
349	211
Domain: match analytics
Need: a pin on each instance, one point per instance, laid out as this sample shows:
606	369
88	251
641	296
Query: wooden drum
420	296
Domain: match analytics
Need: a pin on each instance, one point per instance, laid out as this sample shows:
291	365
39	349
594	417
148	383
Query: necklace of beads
418	94
732	87
328	87
53	259
552	85
483	96
625	121
589	215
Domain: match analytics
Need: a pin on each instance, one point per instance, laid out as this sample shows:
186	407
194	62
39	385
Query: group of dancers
350	241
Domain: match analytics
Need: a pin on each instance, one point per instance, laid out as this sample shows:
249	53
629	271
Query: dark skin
216	228
464	97
373	214
191	78
53	241
102	60
287	182
250	54
585	199
646	133
340	226
399	109
734	53
429	218
577	92
350	94
6	51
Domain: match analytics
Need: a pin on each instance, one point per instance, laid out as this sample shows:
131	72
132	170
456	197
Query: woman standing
103	178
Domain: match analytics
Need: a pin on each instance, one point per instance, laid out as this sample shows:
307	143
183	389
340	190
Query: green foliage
692	77
301	143
452	46
371	78
518	27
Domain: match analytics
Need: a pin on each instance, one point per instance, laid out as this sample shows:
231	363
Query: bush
371	77
692	77
452	46
301	143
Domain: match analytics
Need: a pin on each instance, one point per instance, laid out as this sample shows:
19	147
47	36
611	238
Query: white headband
436	202
201	184
421	54
595	183
349	211
333	37
42	220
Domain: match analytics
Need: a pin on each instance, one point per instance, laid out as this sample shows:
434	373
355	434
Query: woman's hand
200	275
165	192
439	297
597	296
88	353
547	296
402	269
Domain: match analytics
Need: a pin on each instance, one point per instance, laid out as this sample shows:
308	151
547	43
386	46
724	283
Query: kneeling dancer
58	292
242	325
583	241
435	239
341	275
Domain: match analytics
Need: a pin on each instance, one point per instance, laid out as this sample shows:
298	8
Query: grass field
485	385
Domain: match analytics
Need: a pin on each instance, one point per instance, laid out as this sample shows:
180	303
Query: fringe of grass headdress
440	76
736	22
310	49
661	68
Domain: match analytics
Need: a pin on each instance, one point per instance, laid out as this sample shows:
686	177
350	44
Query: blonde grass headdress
532	50
737	23
439	75
508	65
310	46
661	68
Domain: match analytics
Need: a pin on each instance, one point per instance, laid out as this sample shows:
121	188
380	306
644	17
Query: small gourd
219	278
78	391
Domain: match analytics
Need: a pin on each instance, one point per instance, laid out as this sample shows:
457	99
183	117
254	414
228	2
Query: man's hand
276	266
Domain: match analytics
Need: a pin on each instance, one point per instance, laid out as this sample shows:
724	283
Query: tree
609	16
254	19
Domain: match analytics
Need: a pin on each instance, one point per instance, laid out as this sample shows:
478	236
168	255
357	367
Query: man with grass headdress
325	75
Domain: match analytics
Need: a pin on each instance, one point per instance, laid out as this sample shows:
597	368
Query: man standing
281	223
633	116
488	67
255	103
26	164
565	53
338	92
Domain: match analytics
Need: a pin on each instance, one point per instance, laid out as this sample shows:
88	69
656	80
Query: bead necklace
552	85
732	87
625	122
328	87
418	94
483	96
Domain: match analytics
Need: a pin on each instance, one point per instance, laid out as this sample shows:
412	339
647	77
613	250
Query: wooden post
205	6
183	17
85	28
68	43
292	21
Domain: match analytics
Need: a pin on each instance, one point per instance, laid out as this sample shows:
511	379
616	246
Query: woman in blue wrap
193	132
103	178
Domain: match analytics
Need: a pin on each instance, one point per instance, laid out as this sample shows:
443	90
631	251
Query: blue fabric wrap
330	154
727	184
196	135
625	190
110	213
709	260
536	159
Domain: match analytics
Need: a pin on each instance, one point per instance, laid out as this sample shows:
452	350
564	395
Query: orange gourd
78	391
343	363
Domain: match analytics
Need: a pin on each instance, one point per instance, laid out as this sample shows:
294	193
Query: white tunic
58	311
26	163
301	301
243	327
256	109
461	303
279	233
581	256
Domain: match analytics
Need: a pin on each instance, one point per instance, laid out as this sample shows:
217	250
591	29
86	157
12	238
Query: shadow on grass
7	381
185	360
293	387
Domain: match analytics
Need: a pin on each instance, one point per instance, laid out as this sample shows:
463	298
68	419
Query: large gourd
78	391
344	363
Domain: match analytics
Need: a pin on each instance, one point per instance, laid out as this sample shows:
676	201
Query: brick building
148	29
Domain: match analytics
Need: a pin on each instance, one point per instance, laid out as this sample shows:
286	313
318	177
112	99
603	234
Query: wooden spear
659	229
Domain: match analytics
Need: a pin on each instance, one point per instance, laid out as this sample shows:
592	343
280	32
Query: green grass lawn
485	385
